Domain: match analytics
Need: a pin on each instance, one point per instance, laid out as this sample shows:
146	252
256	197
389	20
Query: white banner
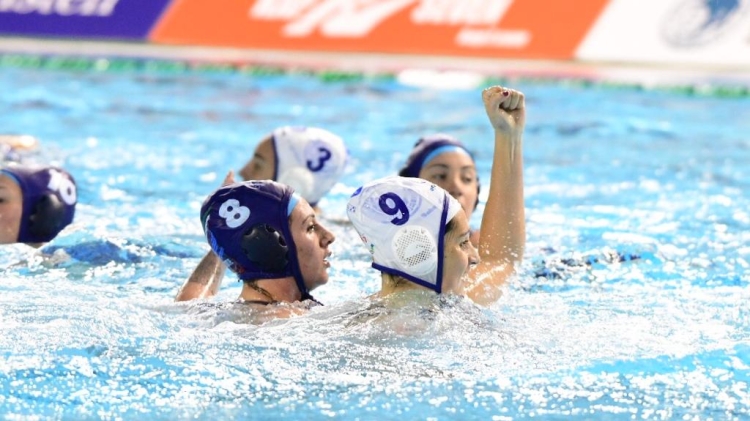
712	32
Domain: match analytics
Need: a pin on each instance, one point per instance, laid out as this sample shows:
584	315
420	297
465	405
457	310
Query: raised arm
503	234
206	279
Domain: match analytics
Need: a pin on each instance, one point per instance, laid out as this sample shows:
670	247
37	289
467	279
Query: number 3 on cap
233	213
398	208
324	156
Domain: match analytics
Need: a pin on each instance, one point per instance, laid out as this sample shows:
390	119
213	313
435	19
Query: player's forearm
204	281
504	226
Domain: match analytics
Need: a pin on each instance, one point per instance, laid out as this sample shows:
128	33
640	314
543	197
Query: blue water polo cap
429	147
49	201
247	226
426	149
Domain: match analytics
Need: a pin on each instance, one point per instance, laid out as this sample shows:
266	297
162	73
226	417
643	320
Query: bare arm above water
503	232
206	279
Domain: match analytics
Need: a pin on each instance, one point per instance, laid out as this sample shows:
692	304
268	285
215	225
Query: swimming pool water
633	301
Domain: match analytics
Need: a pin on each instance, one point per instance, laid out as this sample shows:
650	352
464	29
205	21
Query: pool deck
643	74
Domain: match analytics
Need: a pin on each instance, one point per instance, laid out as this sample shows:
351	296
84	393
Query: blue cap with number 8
402	222
247	226
49	201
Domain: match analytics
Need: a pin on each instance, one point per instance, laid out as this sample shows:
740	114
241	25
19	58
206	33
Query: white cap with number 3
309	159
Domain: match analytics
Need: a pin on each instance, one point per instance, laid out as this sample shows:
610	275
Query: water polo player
445	161
36	203
269	237
418	234
309	159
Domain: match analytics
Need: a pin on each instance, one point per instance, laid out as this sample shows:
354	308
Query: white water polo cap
402	223
309	159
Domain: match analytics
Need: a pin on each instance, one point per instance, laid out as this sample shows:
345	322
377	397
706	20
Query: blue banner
98	19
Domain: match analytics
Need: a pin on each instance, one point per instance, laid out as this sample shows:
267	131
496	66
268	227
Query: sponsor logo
477	19
693	23
495	28
99	8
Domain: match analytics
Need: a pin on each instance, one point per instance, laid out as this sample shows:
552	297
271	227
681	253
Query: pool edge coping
368	64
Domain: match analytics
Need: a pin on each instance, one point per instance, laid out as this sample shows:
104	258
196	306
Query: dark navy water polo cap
49	201
247	226
429	147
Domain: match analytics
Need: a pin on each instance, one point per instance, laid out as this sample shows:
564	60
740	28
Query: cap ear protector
45	219
247	226
266	247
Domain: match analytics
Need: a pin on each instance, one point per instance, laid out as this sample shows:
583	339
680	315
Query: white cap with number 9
402	222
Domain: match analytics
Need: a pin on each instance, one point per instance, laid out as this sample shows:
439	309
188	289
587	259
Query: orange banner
497	28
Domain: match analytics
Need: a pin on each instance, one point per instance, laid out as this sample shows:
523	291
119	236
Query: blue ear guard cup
48	217
266	247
